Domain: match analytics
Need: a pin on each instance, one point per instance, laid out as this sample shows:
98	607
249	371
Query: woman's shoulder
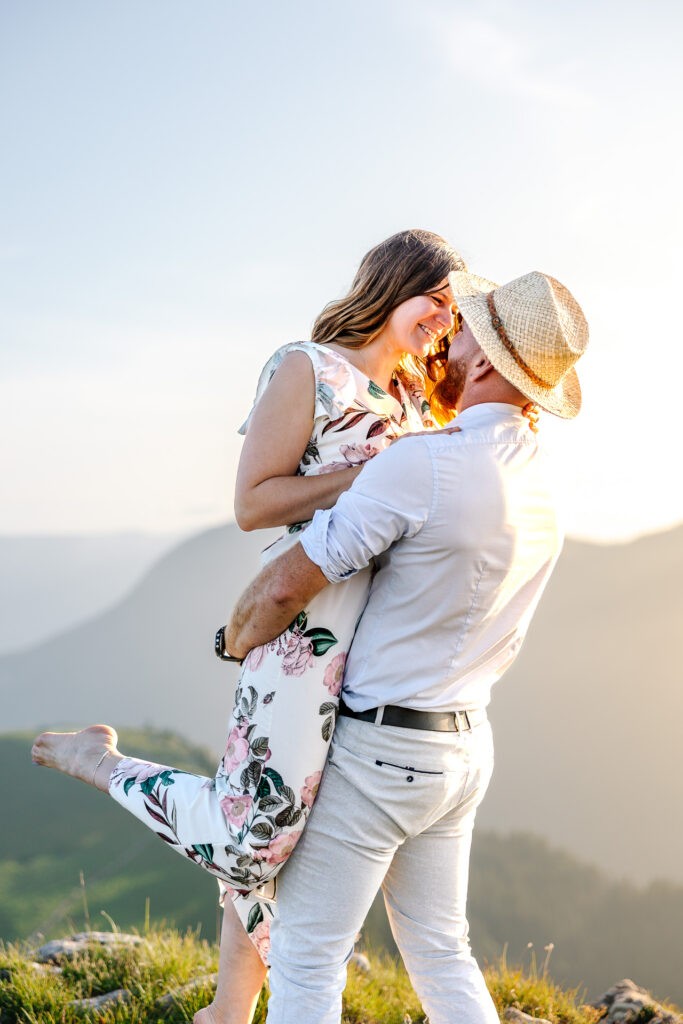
335	385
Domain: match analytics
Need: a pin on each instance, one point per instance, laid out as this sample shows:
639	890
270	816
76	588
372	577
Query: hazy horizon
178	536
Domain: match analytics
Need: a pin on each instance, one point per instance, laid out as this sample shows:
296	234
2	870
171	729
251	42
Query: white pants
395	808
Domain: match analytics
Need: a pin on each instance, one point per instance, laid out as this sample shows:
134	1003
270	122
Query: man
463	531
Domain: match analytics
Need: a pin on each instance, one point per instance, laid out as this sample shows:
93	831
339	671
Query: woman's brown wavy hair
409	263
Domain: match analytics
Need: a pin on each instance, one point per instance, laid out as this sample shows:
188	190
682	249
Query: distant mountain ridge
148	659
586	721
49	584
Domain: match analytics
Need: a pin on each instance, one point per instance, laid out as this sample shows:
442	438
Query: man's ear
481	368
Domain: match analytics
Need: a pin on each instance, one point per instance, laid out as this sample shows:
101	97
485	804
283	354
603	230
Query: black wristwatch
220	649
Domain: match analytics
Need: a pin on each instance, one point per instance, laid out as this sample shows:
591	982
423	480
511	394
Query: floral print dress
243	824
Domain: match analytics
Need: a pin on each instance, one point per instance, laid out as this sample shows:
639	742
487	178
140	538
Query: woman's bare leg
241	973
89	755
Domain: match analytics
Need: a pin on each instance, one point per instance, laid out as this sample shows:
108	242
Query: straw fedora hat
532	330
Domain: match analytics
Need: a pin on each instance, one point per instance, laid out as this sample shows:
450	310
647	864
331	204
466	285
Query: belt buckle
462	722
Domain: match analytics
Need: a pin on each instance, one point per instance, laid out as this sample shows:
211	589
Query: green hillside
521	890
561	772
54	828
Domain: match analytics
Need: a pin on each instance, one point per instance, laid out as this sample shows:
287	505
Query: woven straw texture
545	326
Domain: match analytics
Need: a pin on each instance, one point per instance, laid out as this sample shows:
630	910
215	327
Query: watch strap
220	648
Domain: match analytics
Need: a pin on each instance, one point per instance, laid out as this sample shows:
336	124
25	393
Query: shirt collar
488	412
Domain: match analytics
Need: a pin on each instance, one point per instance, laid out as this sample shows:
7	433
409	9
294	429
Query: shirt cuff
314	541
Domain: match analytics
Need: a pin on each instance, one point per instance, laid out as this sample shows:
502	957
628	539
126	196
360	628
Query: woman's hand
429	433
531	411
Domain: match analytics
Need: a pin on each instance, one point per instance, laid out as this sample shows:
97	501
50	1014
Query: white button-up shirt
464	535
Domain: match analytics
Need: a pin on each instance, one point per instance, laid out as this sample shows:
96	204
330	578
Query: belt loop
456	721
467	719
380	714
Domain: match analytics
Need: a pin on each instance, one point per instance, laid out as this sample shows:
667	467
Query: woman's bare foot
205	1016
88	755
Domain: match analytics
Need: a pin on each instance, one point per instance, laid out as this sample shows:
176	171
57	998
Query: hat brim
469	293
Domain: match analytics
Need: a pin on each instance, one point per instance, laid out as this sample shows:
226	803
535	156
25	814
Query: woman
322	409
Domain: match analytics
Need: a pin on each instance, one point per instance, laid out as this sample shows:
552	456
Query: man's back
475	537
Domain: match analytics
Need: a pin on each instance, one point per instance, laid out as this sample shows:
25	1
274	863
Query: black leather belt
408	718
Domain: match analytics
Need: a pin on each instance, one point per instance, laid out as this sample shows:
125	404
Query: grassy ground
167	959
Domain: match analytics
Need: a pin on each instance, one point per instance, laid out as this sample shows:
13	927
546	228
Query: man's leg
425	891
324	893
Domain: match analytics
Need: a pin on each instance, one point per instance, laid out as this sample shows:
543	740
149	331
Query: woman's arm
267	492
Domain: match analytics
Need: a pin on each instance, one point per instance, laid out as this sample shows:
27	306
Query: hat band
502	334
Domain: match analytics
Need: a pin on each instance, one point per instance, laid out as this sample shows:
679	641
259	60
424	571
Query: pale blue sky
186	185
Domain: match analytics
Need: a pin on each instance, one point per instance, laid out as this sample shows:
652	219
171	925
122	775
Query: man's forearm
272	601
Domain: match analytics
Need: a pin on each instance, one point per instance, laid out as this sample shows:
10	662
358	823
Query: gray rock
176	995
44	968
65	949
361	962
627	1002
7	973
516	1016
109	938
120	995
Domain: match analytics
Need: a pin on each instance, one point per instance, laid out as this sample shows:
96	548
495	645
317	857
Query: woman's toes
51	749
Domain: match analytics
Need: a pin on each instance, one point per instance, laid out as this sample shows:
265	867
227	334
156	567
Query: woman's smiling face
418	323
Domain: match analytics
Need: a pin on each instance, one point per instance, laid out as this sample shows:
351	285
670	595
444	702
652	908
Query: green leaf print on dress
375	390
321	640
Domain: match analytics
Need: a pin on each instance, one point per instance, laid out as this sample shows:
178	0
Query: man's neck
499	393
499	400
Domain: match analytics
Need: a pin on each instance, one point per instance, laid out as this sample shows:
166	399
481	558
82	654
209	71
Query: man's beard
450	388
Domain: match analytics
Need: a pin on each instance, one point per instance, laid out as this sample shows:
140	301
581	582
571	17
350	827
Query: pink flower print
237	749
255	658
236	808
278	849
309	790
355	454
261	939
334	674
131	768
332	467
298	655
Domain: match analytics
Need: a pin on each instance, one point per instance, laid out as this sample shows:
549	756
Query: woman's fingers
429	433
531	411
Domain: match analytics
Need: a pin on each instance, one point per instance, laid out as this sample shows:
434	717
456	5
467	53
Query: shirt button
410	778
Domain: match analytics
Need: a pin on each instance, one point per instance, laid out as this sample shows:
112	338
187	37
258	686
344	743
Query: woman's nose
446	318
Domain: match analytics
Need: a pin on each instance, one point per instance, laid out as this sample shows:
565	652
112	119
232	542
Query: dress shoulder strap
335	385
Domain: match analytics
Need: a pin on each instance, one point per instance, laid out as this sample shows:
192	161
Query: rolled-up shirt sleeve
390	499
